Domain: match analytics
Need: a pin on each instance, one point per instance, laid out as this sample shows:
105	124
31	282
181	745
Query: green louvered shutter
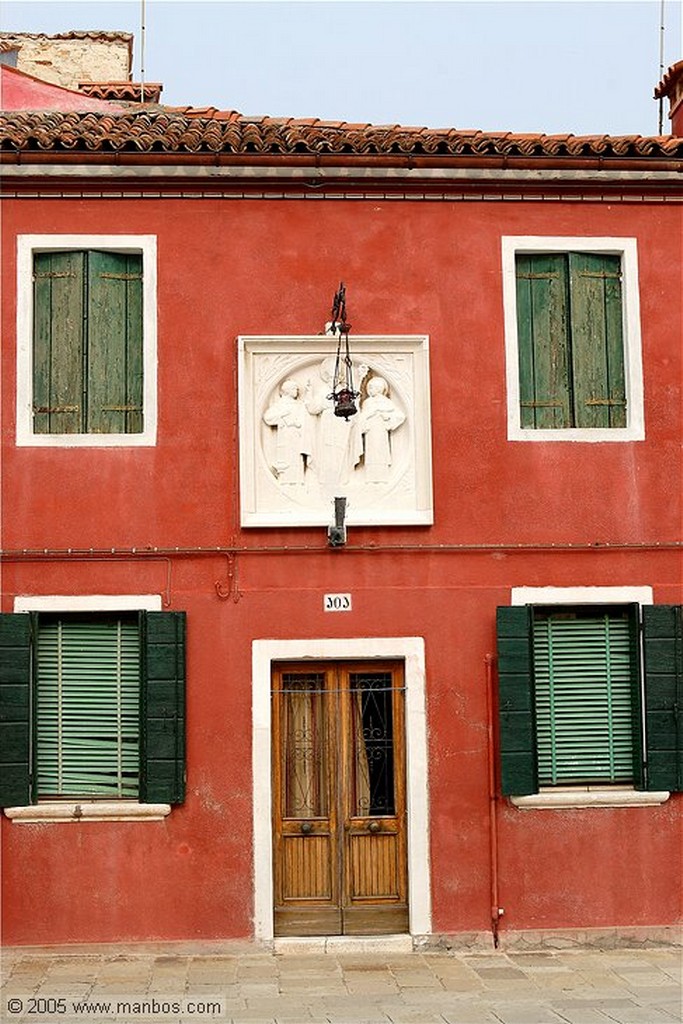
114	313
87	707
163	708
15	710
585	676
59	347
597	342
542	324
87	343
663	661
517	727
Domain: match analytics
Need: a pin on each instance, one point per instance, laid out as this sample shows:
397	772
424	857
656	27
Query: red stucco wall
20	91
257	267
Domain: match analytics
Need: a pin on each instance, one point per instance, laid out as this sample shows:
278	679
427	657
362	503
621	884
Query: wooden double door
339	816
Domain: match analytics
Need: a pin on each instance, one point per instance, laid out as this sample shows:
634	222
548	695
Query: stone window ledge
589	797
113	810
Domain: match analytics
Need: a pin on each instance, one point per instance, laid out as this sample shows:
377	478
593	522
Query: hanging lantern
343	395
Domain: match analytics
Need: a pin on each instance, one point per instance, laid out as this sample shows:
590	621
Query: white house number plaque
337	602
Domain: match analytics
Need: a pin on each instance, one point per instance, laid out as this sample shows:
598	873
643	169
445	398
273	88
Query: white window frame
626	248
87	810
558	797
27	245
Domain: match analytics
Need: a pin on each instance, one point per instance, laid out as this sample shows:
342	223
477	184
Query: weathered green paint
571	345
663	661
162	769
58	342
88	346
114	343
545	380
597	340
134	346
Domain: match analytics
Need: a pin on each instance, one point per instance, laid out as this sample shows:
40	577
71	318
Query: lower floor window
92	707
87	707
586	678
575	706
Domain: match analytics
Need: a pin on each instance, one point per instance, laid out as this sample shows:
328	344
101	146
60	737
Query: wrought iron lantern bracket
343	394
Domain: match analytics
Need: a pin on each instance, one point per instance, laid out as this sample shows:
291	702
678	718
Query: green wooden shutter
114	343
584	680
633	613
597	342
87	707
515	702
163	708
663	661
15	710
58	342
542	325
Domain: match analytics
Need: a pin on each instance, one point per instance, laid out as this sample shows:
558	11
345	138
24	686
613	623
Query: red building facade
312	737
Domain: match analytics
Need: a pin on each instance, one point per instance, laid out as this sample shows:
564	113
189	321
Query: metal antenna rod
661	65
142	51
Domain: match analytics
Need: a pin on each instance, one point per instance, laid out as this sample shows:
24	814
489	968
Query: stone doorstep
383	945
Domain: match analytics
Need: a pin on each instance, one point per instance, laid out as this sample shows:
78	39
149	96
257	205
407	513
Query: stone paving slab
337	985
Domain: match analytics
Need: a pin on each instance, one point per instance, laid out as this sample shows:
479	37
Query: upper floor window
86	340
573	339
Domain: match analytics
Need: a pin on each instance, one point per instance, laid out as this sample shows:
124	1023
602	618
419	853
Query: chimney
72	57
671	87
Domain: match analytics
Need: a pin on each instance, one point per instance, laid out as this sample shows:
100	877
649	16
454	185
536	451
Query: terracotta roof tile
670	78
210	113
85	34
205	130
130	92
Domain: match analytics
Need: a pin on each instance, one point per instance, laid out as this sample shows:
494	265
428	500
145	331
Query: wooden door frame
410	650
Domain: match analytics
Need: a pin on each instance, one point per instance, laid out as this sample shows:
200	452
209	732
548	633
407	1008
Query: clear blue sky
587	67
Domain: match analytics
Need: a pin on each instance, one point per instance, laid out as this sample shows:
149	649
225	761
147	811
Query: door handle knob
306	827
373	826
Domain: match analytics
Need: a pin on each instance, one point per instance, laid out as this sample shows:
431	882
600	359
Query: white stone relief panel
296	455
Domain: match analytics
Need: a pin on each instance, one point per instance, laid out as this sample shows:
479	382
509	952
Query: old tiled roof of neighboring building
670	78
83	34
131	92
207	130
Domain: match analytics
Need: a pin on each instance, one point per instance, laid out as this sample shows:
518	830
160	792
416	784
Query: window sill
579	434
88	811
146	439
589	797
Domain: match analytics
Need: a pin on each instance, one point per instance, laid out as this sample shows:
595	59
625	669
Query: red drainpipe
496	909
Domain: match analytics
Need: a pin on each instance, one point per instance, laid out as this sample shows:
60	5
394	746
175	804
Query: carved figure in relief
293	445
338	443
379	416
